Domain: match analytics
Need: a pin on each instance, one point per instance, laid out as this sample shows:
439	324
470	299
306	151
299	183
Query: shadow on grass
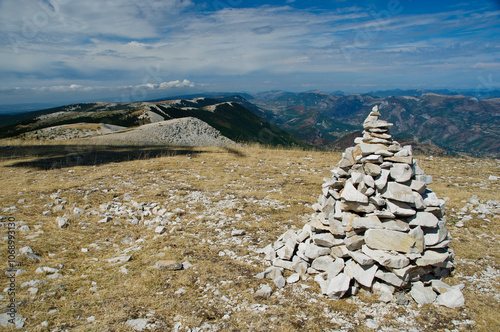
64	156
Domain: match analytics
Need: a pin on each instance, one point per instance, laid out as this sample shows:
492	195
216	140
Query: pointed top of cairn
375	226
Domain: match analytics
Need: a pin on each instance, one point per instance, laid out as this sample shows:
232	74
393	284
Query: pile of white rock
376	226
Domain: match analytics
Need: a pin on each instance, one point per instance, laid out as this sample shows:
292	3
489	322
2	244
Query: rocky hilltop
176	132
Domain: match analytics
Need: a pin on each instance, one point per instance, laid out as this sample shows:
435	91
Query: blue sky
62	51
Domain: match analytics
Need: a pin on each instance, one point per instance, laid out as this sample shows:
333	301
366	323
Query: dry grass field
202	195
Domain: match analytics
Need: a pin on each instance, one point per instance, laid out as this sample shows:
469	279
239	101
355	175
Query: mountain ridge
454	123
233	120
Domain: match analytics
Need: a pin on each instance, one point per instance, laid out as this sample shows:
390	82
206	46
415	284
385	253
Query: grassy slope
263	191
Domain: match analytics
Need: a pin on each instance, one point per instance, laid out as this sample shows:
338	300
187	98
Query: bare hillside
176	132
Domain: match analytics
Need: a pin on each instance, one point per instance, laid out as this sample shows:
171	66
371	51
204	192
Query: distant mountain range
454	123
231	119
436	123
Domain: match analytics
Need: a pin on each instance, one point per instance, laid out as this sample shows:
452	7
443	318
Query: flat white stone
396	225
383	291
335	267
387	259
390	240
390	278
358	207
361	258
372	169
381	180
283	263
431	257
286	252
338	286
325	240
436	235
418	234
356	177
430	198
340	252
418	186
138	324
264	291
440	287
427	179
367	148
424	219
421	294
401	209
451	299
419	201
313	251
362	273
398	192
336	227
321	263
355	242
351	194
279	281
371	222
293	278
401	172
44	269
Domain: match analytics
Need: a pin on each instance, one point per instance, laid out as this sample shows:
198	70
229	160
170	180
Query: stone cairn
376	226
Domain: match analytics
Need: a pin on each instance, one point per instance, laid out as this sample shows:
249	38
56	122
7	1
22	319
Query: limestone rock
313	251
398	192
358	207
390	240
335	268
383	291
264	291
424	219
401	209
390	278
387	259
401	172
421	294
418	186
361	258
367	149
431	257
325	240
363	274
436	235
321	263
350	194
168	265
338	286
371	222
372	169
451	299
381	181
138	324
62	222
354	243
